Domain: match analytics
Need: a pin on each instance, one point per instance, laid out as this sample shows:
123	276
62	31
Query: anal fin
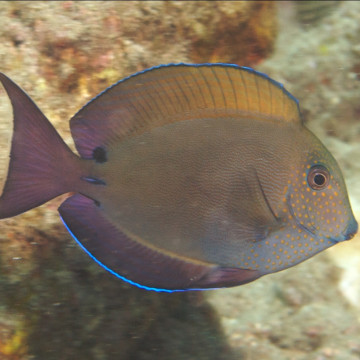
124	257
226	277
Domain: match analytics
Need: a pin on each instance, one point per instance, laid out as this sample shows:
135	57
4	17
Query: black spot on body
99	155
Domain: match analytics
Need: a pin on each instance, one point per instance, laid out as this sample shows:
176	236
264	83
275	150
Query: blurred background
56	303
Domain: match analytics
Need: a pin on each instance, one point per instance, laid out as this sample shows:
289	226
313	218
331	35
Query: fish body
189	177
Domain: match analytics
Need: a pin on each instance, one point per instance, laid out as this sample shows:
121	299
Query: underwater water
56	303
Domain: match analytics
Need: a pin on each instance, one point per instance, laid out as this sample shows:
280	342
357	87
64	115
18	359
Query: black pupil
319	179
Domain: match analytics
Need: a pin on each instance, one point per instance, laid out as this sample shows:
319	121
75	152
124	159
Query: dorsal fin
177	92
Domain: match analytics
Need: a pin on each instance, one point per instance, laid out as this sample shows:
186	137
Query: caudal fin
40	161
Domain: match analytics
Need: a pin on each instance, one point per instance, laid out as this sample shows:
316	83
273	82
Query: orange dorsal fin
178	92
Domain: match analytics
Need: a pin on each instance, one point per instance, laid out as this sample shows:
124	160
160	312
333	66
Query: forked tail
41	165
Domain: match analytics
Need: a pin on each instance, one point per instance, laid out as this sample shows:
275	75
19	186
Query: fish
311	12
187	177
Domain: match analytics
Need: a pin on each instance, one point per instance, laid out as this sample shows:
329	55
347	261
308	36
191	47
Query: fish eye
318	177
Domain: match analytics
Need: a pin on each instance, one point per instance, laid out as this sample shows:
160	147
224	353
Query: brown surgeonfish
188	177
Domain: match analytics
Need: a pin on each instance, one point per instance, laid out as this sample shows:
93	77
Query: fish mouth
351	230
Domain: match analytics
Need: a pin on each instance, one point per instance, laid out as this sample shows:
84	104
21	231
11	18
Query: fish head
317	196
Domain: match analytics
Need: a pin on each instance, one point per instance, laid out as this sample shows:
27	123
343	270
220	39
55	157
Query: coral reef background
57	304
